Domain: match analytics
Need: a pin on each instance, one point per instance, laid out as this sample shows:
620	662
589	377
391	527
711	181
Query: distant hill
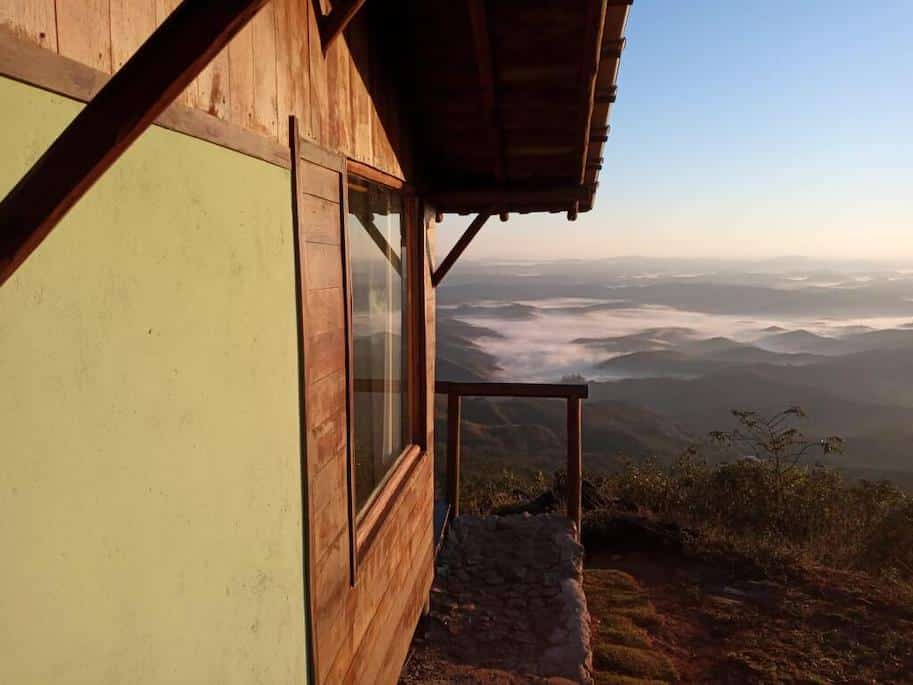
459	357
698	360
649	339
799	341
878	435
855	339
498	311
531	434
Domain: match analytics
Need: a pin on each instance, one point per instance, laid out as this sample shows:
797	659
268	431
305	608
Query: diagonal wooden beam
382	244
459	248
333	24
125	107
485	65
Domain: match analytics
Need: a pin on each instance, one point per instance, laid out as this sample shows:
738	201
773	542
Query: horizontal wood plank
319	220
320	182
28	63
326	398
329	481
326	354
325	311
540	390
325	441
324	266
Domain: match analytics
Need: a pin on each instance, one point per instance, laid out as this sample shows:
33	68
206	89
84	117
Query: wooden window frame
365	524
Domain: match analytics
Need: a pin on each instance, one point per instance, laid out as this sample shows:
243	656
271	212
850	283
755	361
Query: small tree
776	440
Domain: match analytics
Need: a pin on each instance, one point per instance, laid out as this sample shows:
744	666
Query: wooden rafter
481	40
592	48
126	106
459	248
333	24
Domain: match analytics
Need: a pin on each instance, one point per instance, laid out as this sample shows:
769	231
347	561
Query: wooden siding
274	68
361	633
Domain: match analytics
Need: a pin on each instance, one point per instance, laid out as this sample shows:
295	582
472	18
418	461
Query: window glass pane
376	254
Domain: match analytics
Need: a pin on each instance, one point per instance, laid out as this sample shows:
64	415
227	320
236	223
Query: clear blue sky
747	129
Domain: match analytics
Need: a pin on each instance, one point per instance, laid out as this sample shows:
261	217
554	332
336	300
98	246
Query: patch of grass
620	630
612	679
623	652
633	661
615	596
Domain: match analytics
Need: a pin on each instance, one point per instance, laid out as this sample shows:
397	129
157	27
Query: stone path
507	606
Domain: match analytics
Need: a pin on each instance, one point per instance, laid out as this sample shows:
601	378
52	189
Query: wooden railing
573	394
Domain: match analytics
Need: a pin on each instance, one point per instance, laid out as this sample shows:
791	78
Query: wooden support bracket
333	24
158	72
459	248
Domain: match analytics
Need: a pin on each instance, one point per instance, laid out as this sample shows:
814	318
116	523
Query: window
378	275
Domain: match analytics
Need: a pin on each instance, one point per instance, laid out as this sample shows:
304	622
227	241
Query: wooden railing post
454	406
574	462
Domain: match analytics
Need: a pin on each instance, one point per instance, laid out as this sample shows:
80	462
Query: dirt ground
731	625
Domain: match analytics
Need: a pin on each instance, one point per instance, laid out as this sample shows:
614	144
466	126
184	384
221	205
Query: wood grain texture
292	62
361	630
132	22
34	20
241	78
275	68
213	88
25	61
317	73
361	103
324	266
321	182
116	116
338	61
319	220
84	32
266	112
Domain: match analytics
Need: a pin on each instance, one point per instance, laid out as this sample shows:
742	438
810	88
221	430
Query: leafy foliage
769	505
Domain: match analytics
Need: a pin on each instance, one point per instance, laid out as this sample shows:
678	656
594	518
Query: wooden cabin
217	312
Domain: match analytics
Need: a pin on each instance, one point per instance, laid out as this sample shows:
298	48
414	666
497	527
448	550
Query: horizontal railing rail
573	394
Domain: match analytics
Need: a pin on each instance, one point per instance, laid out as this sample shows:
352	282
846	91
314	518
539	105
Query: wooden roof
513	100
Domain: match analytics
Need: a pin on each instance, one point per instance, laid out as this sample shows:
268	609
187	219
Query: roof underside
514	99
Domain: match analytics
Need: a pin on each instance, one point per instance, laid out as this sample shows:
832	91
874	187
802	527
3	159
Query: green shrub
802	511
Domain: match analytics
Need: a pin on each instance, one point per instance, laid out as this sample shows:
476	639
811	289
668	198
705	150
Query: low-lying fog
567	318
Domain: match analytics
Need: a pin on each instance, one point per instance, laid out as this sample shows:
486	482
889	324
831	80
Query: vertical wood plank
360	90
293	78
292	87
574	461
454	410
263	29
132	22
212	90
339	110
34	20
381	147
310	572
430	326
350	371
318	76
84	32
241	77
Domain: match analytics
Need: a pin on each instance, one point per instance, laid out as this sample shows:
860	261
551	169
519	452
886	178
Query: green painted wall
150	497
